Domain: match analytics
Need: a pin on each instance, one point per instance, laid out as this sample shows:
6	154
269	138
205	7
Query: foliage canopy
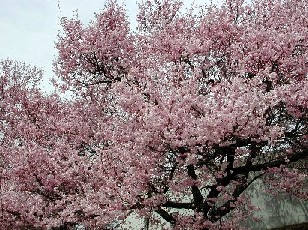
172	122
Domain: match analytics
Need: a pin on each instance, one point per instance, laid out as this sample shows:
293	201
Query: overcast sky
29	28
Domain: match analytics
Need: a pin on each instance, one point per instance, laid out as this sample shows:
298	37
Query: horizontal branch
271	164
179	205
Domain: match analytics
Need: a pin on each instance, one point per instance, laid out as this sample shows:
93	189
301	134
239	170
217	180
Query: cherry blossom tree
172	122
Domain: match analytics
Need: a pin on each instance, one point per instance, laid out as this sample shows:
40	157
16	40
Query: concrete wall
275	211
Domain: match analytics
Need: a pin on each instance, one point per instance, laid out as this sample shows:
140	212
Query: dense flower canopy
171	122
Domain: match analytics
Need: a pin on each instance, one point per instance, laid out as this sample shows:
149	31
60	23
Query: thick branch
271	164
198	198
171	204
165	215
230	160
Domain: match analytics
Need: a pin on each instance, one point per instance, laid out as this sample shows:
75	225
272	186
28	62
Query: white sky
29	28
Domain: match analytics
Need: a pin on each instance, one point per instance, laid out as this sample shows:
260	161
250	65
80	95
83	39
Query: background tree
172	122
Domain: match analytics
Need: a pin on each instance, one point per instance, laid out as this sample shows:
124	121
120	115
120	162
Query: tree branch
165	215
171	204
271	164
228	207
197	196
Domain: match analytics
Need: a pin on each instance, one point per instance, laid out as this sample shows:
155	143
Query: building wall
275	211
